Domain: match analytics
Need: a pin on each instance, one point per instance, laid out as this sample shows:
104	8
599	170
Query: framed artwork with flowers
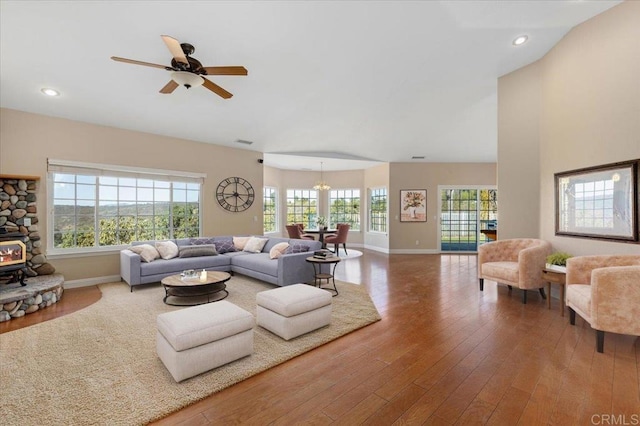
413	205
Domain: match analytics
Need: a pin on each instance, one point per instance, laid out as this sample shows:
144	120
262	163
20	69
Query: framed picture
413	205
599	202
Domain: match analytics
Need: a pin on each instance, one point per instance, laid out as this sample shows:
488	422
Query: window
378	210
344	207
270	209
302	207
97	206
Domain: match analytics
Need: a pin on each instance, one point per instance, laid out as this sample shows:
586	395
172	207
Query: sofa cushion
240	242
505	270
257	262
273	241
167	249
255	244
297	248
198	250
178	264
278	250
147	252
224	244
201	241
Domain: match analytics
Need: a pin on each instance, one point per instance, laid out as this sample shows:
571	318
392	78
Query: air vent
243	142
418	157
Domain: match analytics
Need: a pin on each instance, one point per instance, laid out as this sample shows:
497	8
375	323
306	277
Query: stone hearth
41	292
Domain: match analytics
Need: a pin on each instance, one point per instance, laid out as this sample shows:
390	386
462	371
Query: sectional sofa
289	268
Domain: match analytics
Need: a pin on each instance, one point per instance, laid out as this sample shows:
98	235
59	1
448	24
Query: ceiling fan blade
226	70
146	64
169	87
175	49
216	89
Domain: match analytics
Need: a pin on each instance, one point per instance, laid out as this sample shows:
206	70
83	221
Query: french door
464	213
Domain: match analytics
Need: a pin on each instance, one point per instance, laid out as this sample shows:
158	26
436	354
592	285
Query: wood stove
13	257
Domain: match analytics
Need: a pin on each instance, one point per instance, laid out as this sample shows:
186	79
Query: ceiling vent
418	157
243	142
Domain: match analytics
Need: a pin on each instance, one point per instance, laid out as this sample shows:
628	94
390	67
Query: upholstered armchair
515	262
605	291
339	238
295	233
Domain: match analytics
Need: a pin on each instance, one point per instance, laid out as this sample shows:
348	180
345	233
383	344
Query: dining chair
339	238
294	233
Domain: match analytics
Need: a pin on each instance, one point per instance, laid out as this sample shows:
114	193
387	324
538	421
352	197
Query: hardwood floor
444	353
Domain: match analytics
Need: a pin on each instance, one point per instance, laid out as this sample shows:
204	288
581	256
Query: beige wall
403	235
519	153
27	140
589	114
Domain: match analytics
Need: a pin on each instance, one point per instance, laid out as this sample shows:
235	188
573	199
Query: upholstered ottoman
293	310
197	339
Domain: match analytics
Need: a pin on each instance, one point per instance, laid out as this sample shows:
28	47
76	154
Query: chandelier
321	185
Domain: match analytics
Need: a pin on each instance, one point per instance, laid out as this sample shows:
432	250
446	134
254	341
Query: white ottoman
293	310
197	339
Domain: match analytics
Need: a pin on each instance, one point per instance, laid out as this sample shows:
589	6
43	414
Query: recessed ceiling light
50	92
520	40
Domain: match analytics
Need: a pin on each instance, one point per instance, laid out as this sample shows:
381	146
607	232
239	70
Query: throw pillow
224	245
167	249
297	248
201	241
240	242
278	250
255	244
147	252
198	250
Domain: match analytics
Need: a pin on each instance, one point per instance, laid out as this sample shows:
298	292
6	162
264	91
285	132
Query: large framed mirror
599	202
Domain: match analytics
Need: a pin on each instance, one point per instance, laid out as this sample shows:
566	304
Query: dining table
321	232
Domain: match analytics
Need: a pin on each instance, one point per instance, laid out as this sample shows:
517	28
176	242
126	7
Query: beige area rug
99	365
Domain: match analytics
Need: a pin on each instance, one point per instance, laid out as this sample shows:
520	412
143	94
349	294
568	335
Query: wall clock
235	194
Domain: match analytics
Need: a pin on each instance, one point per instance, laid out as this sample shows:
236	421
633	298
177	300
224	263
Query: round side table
317	263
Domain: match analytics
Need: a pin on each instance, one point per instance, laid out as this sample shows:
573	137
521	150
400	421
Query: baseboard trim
86	282
414	251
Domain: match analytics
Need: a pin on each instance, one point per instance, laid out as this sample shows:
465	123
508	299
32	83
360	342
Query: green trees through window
344	207
102	211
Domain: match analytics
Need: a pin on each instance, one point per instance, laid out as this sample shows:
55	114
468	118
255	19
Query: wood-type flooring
444	353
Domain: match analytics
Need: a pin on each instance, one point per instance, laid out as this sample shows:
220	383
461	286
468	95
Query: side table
555	277
317	263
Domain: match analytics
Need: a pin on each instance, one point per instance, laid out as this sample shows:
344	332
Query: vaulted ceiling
374	81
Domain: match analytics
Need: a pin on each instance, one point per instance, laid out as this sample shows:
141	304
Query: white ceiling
380	81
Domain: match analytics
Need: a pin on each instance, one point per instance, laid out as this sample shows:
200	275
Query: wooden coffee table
179	287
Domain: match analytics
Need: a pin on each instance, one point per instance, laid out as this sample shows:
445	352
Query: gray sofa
286	270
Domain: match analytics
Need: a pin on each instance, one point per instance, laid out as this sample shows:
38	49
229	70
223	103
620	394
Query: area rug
99	365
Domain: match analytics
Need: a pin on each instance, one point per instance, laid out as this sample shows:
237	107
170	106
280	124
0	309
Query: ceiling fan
188	71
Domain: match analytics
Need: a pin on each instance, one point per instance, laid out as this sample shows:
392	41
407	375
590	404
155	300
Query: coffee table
176	286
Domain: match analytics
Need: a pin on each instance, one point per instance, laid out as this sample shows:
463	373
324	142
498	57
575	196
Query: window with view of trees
378	210
98	211
344	207
302	207
269	209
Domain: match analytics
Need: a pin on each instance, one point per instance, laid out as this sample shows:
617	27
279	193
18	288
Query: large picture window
378	210
97	206
344	207
599	202
302	207
270	209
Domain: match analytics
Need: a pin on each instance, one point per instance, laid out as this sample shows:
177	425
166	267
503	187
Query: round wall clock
235	194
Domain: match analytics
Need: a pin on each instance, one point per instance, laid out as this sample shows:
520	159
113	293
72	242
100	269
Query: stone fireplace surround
18	207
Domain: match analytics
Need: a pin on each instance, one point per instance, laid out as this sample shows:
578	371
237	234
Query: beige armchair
605	291
516	262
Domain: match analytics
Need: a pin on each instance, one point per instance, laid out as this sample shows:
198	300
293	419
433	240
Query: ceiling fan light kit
187	79
188	71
